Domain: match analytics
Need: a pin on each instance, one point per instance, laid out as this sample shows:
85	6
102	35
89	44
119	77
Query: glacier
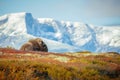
60	36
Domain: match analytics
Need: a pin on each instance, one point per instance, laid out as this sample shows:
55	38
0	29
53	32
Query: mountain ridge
79	35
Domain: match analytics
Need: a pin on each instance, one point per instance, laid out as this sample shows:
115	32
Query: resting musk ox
34	45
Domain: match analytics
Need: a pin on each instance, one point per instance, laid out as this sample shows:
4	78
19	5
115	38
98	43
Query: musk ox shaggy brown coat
34	45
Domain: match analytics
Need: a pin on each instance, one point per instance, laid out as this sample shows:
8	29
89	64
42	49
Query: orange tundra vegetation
31	65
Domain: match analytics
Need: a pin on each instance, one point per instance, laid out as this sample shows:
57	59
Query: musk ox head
34	45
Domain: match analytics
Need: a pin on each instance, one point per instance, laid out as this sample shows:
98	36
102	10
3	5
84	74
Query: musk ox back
34	45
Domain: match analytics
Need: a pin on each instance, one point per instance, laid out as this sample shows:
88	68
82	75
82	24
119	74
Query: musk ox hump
28	46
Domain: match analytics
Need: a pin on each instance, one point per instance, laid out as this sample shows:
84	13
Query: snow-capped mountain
60	36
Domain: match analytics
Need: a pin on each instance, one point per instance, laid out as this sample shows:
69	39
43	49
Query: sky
96	12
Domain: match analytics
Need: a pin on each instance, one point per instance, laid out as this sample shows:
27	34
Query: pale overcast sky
97	12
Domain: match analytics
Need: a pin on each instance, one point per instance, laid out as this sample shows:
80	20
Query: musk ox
34	45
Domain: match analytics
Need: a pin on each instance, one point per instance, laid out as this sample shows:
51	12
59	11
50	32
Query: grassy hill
30	65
